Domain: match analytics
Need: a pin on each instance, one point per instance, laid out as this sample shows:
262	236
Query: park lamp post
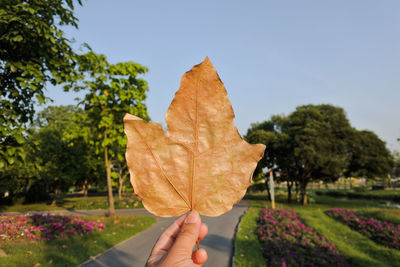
271	184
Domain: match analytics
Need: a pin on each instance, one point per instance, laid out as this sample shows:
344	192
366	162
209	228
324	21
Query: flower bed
286	241
45	226
382	232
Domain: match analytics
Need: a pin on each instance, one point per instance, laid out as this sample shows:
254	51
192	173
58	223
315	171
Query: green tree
266	133
17	178
33	52
309	145
396	165
78	135
54	161
369	156
62	159
121	173
278	155
112	91
320	143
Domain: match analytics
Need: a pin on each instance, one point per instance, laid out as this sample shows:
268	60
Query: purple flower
44	226
381	232
286	241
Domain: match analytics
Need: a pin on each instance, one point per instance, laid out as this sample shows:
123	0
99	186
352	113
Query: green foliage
16	177
317	143
318	134
369	156
381	195
72	203
33	52
309	144
396	165
112	91
60	161
55	158
256	187
80	160
277	155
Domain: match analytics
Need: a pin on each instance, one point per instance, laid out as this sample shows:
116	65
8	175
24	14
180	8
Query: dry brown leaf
203	164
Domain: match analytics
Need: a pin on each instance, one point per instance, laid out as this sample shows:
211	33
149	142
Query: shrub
258	187
382	195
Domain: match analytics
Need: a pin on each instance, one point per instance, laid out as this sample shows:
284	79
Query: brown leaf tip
206	61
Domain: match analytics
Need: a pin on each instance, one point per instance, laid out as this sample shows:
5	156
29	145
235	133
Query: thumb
188	236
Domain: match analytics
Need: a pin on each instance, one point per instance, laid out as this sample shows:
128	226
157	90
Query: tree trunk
111	209
120	183
54	202
289	191
303	189
297	192
47	187
268	191
85	188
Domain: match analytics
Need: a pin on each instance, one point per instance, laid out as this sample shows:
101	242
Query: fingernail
193	217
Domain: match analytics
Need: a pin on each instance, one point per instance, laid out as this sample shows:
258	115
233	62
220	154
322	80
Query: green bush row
372	195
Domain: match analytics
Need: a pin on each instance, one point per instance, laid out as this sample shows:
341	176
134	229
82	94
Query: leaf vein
159	165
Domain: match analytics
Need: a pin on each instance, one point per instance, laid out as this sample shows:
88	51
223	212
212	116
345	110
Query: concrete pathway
135	251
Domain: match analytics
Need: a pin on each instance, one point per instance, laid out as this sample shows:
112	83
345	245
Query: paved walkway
135	251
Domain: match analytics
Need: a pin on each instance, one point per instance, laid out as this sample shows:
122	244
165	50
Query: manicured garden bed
382	232
357	248
286	241
75	249
45	226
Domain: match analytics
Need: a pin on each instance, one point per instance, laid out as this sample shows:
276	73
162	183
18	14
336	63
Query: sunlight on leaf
203	164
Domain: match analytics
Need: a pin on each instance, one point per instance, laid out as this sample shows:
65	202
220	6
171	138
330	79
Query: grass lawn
248	250
75	203
358	249
391	215
73	251
345	203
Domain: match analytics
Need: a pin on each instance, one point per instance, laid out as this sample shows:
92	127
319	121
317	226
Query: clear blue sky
271	55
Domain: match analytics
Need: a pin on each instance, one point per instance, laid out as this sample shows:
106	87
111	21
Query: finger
199	256
203	231
167	238
188	236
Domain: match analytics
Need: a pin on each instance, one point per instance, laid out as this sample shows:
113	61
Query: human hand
175	245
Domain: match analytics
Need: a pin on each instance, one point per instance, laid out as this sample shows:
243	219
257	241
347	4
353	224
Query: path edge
93	258
233	252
